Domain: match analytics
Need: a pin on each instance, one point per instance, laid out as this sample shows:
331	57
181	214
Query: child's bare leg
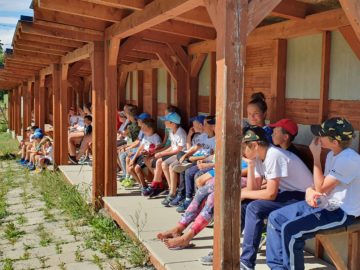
158	171
148	162
174	232
131	171
165	169
173	181
140	175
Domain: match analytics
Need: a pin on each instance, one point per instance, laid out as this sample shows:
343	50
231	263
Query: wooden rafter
198	15
290	9
154	13
163	37
26	48
150	64
127	4
69	19
77	55
39	45
85	9
27	37
127	46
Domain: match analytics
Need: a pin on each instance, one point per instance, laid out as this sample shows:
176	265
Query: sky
10	11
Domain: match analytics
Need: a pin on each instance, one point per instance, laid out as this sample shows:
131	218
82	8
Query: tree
1	52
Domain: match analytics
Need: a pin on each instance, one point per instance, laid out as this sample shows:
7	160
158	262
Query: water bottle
322	201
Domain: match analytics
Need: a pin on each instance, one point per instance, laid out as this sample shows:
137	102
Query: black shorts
140	161
153	163
120	143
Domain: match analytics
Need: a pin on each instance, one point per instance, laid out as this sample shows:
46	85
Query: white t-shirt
49	153
345	168
207	145
148	140
178	139
31	138
123	126
279	163
81	122
73	120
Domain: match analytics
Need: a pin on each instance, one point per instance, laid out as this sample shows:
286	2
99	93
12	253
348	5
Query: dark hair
172	108
33	128
132	110
88	117
150	123
258	99
291	137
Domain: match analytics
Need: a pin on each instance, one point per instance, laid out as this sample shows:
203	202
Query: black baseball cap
337	128
254	134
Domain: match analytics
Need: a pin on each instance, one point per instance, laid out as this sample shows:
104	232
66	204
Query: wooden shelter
109	52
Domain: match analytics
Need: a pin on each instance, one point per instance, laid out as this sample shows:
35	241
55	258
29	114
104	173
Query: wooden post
196	64
97	59
325	76
64	110
230	19
37	99
42	105
121	93
154	87
26	93
17	110
140	89
212	96
56	77
111	73
168	89
278	80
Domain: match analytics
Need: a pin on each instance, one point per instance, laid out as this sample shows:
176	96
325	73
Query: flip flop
180	248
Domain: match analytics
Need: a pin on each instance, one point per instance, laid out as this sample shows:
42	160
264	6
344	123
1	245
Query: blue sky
10	11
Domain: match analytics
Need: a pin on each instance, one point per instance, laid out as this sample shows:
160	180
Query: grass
21	220
45	237
12	234
8	264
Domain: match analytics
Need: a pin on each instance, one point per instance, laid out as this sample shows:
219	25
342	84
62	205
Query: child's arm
269	193
191	151
168	152
189	137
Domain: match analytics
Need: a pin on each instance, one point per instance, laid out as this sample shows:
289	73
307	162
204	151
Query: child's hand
310	196
181	160
157	155
315	147
250	162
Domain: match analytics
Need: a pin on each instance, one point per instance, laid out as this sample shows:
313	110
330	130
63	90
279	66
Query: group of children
36	150
277	186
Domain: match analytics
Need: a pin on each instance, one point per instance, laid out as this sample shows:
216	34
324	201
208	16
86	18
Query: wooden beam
351	38
26	94
97	58
212	95
196	64
154	13
128	46
69	19
23	48
181	55
111	74
75	67
325	77
258	11
46	71
85	9
127	4
39	45
37	55
64	112
25	37
56	96
186	29
154	91
278	80
197	16
33	29
77	55
230	18
140	89
202	47
163	37
290	9
18	110
150	64
352	11
122	88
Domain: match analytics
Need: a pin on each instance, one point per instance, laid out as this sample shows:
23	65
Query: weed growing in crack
8	264
12	234
78	256
45	237
21	220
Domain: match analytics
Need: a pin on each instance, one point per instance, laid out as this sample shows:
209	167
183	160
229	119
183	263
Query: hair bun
258	96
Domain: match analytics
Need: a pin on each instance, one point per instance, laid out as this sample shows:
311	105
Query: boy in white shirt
165	158
148	145
287	180
332	202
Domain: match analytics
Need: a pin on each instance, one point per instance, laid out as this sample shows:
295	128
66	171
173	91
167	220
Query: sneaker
182	167
73	160
208	259
178	199
168	200
84	160
155	192
24	163
31	167
165	192
262	241
182	208
127	183
147	191
20	161
244	267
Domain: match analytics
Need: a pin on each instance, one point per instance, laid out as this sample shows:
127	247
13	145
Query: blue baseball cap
38	135
172	117
200	118
38	130
143	116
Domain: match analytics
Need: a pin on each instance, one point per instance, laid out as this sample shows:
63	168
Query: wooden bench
323	238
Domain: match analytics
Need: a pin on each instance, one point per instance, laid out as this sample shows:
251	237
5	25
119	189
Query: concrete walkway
144	218
33	236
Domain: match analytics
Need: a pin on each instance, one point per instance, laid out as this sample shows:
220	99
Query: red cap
289	125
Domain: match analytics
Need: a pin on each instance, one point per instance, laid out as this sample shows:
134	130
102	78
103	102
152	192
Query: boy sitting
332	202
148	145
178	143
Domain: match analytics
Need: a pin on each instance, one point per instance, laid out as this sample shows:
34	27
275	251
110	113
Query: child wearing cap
149	143
338	187
287	180
27	144
165	158
46	155
36	150
83	141
129	150
195	140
